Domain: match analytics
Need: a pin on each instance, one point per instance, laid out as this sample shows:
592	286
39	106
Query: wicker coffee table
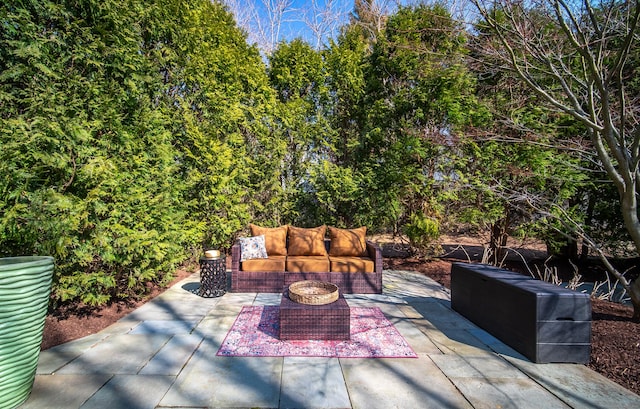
303	322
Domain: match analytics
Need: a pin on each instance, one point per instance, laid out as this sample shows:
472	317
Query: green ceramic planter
25	284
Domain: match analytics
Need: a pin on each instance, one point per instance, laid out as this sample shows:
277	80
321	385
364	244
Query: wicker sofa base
272	282
256	282
300	321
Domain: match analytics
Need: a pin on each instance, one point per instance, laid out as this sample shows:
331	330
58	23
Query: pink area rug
255	333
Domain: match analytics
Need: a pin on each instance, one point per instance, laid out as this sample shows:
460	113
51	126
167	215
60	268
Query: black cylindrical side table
213	277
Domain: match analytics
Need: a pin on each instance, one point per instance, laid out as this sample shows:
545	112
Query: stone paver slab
55	358
441	316
456	341
495	344
313	383
579	386
177	310
50	361
371	300
410	285
507	394
165	327
63	391
131	392
173	356
267	299
119	354
486	366
410	312
215	327
391	311
237	299
225	310
399	383
119	327
459	364
489	381
211	381
420	343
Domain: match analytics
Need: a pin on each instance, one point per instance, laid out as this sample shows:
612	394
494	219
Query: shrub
423	232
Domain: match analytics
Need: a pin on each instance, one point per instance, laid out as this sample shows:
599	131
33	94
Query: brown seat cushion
348	242
307	242
273	263
351	264
275	238
307	264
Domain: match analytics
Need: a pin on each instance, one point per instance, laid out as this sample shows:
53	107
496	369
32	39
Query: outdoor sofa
345	258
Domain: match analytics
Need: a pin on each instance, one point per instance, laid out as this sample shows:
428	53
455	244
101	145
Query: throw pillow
348	242
252	247
275	238
307	242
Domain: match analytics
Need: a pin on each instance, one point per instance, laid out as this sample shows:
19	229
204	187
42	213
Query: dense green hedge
135	133
130	133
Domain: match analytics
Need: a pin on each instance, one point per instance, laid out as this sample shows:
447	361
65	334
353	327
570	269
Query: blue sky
253	16
303	9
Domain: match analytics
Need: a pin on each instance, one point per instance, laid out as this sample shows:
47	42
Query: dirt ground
615	337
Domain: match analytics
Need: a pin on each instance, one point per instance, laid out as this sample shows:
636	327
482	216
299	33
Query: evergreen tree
296	72
88	170
133	133
419	95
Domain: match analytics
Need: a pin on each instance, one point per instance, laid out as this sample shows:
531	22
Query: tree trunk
629	208
498	242
563	247
584	253
635	299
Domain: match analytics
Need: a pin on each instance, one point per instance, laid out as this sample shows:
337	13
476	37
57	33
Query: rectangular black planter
544	322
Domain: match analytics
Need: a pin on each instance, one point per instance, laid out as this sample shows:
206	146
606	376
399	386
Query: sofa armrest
235	257
375	253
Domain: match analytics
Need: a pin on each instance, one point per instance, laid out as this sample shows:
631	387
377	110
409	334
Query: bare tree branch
262	20
591	90
324	20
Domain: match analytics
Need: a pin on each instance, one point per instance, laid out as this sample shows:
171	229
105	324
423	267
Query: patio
164	355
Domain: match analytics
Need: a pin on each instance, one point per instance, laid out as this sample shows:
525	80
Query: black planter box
544	322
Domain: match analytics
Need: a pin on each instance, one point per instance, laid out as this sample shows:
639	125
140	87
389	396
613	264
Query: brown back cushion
307	242
348	242
275	238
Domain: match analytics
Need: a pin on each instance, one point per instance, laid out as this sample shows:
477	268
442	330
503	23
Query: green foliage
346	61
88	168
123	131
423	232
135	133
338	198
296	72
229	157
508	188
527	171
417	95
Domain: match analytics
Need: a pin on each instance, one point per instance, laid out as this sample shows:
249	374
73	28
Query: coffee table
305	322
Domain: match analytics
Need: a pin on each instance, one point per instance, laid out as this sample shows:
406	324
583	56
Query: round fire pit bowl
311	292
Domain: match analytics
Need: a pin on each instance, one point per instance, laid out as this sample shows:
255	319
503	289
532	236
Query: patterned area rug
255	333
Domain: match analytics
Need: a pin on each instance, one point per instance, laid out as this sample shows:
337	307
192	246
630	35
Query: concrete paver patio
163	355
